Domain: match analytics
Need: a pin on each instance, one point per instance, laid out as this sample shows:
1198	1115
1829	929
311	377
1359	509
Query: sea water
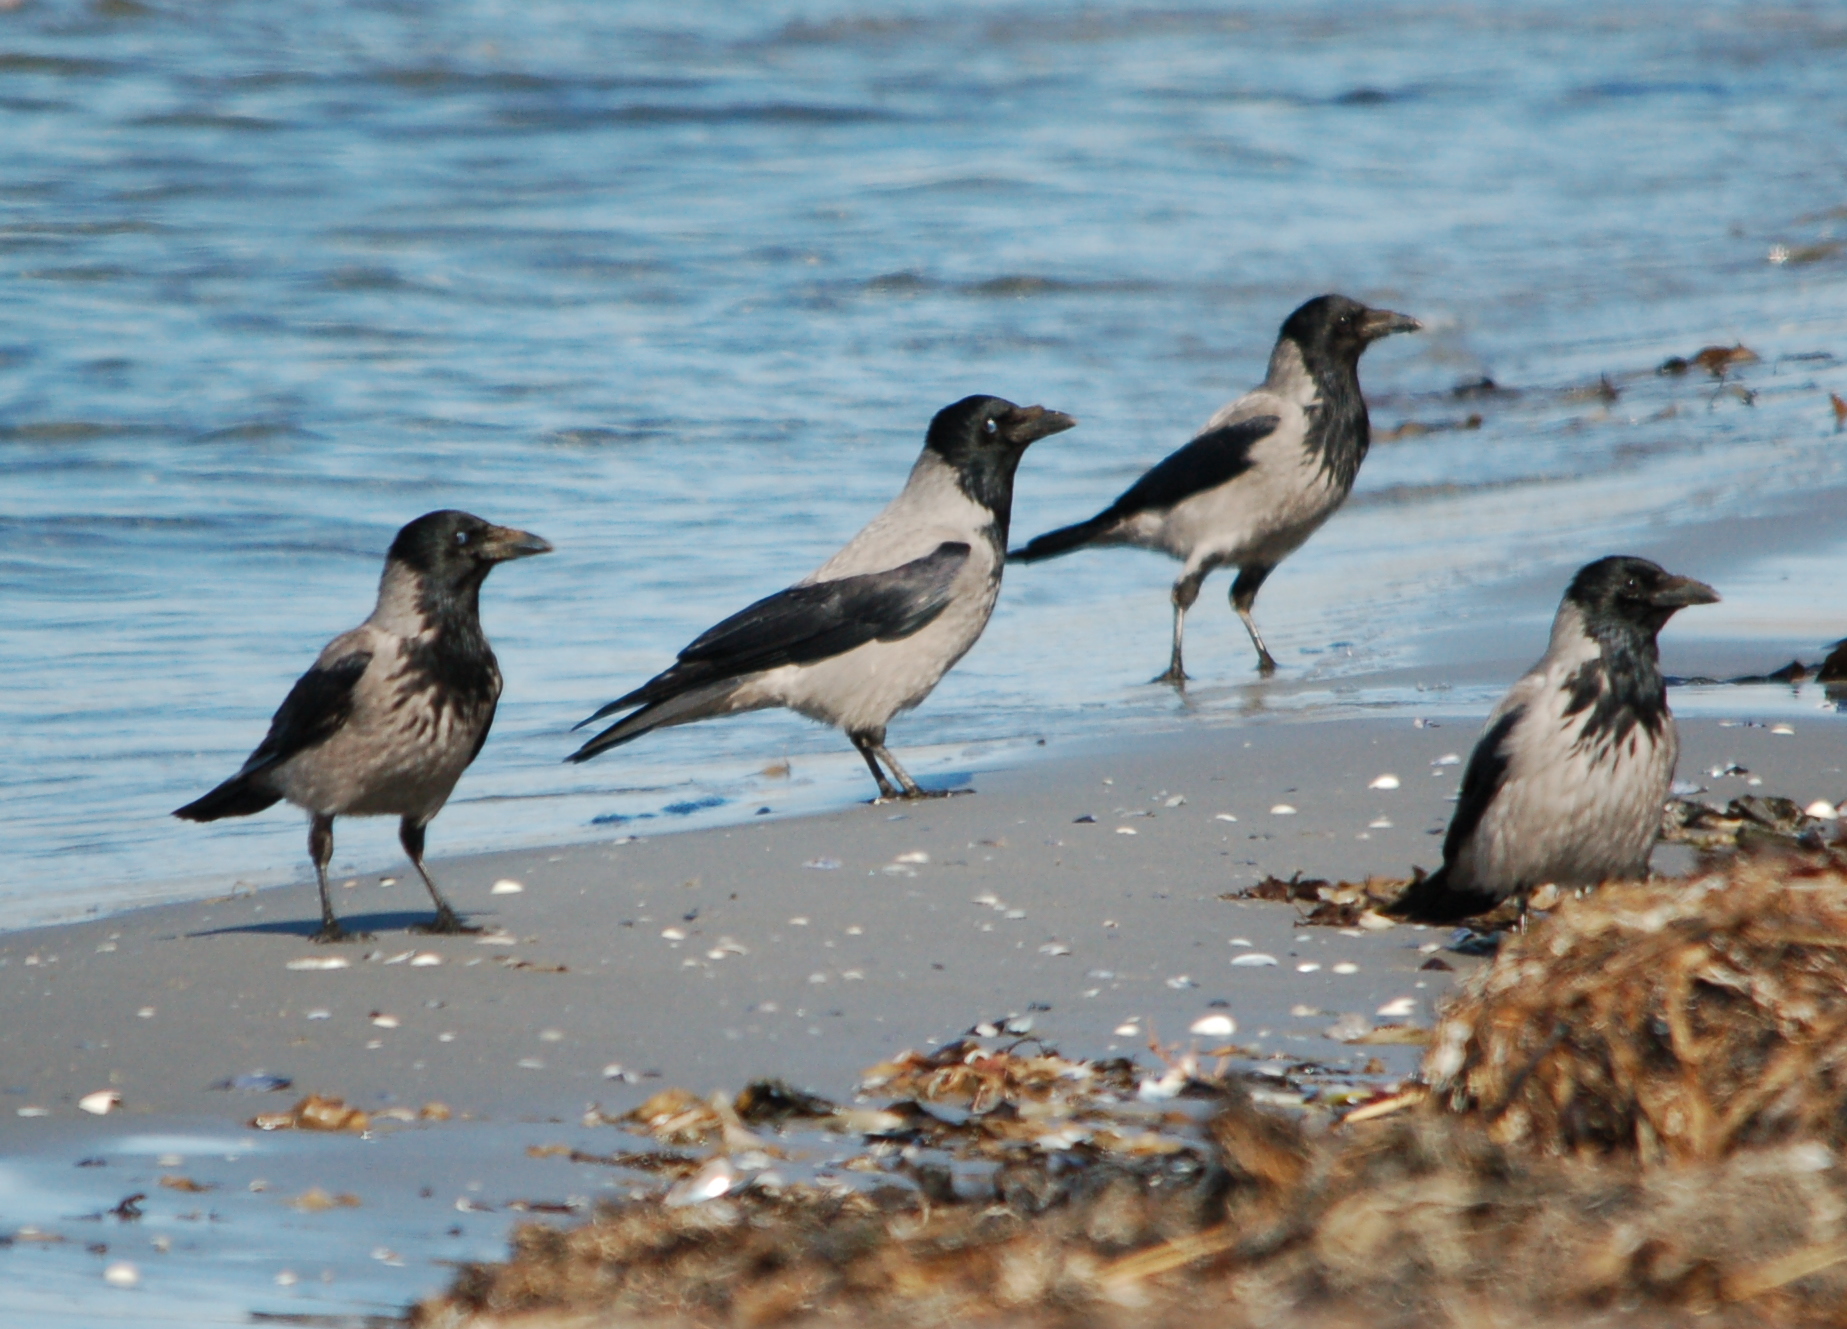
679	287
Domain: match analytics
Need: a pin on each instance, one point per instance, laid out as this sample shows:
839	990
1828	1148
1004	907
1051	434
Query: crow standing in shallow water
871	631
394	711
1568	781
1261	477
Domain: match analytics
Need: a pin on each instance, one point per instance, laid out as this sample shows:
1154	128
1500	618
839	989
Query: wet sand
805	948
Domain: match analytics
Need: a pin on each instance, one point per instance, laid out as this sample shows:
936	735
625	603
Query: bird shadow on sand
307	925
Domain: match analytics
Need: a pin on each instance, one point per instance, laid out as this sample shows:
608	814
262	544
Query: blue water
679	287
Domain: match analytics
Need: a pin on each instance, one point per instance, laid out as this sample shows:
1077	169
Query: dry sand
805	948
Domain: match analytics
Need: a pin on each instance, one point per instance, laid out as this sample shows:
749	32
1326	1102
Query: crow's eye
991	427
461	539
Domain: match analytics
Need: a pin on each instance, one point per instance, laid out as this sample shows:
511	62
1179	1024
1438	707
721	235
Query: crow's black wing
813	622
1206	463
1486	773
319	703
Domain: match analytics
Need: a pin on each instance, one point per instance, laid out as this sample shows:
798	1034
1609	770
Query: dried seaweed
1632	1119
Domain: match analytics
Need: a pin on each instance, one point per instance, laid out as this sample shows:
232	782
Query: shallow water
680	290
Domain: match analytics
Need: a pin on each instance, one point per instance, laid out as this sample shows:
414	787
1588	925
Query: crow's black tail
1431	899
1061	541
237	797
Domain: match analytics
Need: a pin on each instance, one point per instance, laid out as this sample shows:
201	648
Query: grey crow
1261	477
871	631
1568	780
394	711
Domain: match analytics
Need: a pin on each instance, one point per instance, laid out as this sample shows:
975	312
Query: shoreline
803	948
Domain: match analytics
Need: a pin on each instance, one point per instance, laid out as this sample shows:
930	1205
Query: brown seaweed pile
1633	1118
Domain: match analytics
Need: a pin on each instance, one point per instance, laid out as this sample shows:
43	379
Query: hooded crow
1261	477
871	631
394	711
1569	778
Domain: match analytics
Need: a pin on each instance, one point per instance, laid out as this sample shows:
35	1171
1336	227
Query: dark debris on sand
1633	1117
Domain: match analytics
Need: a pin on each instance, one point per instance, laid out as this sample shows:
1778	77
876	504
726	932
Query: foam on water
681	290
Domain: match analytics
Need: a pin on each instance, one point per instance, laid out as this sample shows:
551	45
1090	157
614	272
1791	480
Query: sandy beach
1083	891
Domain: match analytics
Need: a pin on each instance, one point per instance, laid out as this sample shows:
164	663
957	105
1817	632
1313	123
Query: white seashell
914	856
1224	816
1782	729
1125	830
1308	966
1386	781
674	934
1251	959
1283	810
1822	810
1177	801
1399	1008
1346	967
101	1103
320	962
1054	948
1448	759
1379	824
121	1274
506	886
424	959
1214	1026
385	1021
1128	1029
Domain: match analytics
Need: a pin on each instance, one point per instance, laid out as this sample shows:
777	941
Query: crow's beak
1029	424
503	543
1679	592
1383	323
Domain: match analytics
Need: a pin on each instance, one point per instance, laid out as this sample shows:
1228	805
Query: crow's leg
911	787
410	835
1186	590
1243	596
870	744
320	849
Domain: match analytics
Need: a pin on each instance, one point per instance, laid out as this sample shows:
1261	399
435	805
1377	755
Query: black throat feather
452	657
1339	428
1621	688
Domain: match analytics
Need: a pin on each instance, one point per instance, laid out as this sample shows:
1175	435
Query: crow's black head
1333	330
983	438
456	550
1632	592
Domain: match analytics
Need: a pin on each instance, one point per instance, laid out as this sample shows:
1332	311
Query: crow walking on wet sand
1569	778
394	711
871	631
1261	477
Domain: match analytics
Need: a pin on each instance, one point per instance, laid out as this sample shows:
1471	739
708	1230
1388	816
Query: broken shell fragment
101	1103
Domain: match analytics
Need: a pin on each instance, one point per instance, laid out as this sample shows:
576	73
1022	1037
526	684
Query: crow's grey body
1569	779
1261	477
392	712
872	631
